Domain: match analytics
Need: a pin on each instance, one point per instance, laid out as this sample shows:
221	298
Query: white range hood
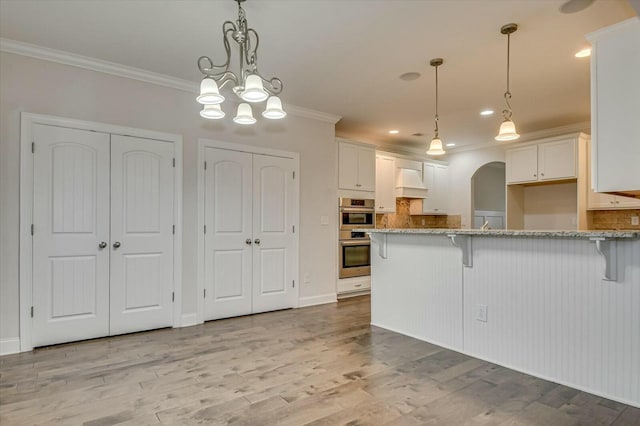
409	184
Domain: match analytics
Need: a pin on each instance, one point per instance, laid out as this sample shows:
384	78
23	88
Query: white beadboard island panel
417	290
550	313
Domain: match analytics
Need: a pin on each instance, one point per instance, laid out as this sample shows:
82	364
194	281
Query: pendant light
435	148
507	128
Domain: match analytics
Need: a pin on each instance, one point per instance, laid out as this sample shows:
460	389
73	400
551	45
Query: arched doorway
488	199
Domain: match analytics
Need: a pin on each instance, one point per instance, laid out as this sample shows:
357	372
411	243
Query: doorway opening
488	196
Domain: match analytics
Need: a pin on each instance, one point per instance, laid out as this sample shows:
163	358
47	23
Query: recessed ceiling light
573	6
394	132
451	144
583	53
410	76
487	112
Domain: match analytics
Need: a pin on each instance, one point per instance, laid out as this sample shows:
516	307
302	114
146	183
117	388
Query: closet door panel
141	234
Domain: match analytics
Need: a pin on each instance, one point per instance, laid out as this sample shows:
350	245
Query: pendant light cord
507	95
436	117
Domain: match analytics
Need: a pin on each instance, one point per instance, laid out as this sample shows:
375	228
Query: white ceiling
344	57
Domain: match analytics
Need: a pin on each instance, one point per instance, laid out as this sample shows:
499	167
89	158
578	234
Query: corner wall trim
94	64
317	300
9	346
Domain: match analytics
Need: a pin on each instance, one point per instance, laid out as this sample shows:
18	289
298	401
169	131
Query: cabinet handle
116	245
541	174
617	202
534	175
357	285
248	241
357	184
257	241
102	245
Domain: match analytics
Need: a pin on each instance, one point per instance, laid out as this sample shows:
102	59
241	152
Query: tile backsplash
403	219
612	219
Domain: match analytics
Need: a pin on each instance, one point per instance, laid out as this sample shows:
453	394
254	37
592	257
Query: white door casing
274	249
70	218
228	197
141	234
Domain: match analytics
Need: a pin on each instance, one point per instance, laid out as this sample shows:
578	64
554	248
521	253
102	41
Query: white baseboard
317	300
9	346
189	319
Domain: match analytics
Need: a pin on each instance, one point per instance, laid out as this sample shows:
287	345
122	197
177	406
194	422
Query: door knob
257	241
102	245
116	245
248	241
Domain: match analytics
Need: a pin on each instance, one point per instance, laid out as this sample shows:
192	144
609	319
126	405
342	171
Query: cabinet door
615	107
522	164
626	202
366	169
385	184
557	160
600	201
436	179
348	166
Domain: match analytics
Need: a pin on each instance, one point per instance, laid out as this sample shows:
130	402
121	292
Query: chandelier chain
436	117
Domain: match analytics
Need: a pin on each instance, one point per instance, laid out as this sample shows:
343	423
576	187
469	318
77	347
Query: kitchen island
561	305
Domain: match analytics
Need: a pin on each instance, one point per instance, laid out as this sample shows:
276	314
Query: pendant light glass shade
209	93
507	131
254	90
274	109
244	115
212	112
436	147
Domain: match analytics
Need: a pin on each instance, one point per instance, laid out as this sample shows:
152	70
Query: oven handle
356	210
356	243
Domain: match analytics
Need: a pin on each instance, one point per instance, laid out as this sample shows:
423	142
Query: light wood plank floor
322	365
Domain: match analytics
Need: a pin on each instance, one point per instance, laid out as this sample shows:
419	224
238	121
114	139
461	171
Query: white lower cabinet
103	234
353	285
251	204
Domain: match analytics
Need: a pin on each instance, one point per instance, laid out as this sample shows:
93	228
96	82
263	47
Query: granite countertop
509	233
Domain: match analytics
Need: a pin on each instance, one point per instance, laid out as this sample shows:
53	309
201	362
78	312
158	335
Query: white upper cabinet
385	184
356	167
554	160
522	164
615	107
436	179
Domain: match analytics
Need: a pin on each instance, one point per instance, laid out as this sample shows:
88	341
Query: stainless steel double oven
354	245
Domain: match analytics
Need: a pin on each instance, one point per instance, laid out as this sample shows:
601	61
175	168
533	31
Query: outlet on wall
482	313
635	220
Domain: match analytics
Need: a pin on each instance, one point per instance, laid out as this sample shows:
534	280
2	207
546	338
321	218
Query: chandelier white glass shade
212	112
507	130
248	84
244	115
435	147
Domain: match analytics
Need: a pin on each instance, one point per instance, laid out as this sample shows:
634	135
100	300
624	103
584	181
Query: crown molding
583	127
86	62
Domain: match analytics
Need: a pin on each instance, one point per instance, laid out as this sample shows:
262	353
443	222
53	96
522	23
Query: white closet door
274	250
71	218
228	207
141	234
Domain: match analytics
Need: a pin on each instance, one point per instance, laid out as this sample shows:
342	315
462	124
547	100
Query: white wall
41	87
551	206
462	167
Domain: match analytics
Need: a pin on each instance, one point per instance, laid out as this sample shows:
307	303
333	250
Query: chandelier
507	130
248	84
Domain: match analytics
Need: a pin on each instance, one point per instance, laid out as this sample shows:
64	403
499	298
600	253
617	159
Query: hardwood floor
323	365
